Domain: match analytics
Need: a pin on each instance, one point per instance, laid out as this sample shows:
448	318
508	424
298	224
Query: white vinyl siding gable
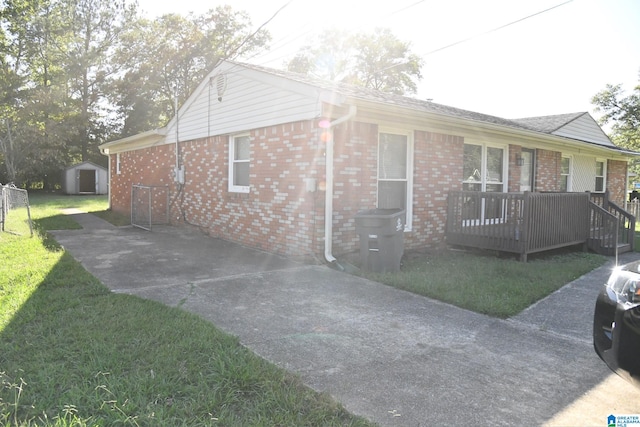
584	128
248	102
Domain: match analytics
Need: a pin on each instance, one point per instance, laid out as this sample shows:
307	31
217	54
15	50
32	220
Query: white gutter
134	142
328	205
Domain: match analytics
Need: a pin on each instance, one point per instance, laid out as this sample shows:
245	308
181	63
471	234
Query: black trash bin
381	234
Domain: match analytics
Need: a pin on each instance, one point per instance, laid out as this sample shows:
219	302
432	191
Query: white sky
551	63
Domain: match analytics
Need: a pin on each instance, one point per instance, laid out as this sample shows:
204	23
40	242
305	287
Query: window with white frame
239	147
483	168
395	173
565	174
601	171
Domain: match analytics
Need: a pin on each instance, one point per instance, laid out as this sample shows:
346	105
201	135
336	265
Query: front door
527	170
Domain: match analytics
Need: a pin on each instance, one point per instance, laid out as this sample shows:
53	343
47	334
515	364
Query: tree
56	60
30	67
94	28
170	56
622	112
76	73
384	63
378	61
329	57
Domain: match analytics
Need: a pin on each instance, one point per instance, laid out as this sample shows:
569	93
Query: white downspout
626	186
328	205
106	153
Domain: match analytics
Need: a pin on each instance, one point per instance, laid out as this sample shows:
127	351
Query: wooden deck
525	223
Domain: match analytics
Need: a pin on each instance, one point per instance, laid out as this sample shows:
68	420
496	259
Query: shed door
86	181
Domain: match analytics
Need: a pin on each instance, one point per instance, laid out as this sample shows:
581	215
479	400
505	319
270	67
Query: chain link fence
149	206
15	213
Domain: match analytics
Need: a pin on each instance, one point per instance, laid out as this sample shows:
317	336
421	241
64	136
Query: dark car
616	322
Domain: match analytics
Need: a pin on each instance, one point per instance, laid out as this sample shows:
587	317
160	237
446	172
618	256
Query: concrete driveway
388	355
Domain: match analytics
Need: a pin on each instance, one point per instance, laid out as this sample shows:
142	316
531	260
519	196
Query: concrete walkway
388	355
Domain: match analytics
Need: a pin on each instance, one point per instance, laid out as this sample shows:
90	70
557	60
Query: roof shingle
543	124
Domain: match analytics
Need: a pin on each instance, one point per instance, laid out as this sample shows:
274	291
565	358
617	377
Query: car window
619	282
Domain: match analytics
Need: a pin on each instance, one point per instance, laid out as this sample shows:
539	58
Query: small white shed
85	178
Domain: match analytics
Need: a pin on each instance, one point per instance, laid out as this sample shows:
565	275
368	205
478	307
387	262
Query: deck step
610	250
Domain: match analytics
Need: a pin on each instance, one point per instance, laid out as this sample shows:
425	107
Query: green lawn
74	354
48	213
500	287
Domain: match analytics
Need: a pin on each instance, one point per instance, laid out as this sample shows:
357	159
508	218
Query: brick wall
438	164
616	181
548	167
150	166
279	214
355	180
515	151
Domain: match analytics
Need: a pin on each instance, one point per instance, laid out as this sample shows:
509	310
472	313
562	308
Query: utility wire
477	35
308	29
250	36
496	29
407	7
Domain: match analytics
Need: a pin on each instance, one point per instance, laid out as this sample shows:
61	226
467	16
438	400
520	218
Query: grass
74	354
48	215
487	284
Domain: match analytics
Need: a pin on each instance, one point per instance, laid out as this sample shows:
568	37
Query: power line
250	36
308	29
407	7
403	9
479	35
496	29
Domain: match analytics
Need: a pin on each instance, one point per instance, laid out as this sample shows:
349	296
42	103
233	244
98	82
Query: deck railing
627	224
486	220
603	227
627	217
526	223
556	220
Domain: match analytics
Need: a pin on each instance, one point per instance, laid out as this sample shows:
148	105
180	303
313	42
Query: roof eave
134	142
468	124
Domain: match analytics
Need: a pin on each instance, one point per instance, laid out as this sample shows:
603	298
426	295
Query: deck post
524	233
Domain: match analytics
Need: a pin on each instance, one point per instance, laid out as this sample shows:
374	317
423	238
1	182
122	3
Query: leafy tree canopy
622	112
77	73
170	56
378	60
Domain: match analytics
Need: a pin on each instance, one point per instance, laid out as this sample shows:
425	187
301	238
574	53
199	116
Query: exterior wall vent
221	85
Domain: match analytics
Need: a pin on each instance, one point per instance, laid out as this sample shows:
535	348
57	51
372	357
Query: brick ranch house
283	163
